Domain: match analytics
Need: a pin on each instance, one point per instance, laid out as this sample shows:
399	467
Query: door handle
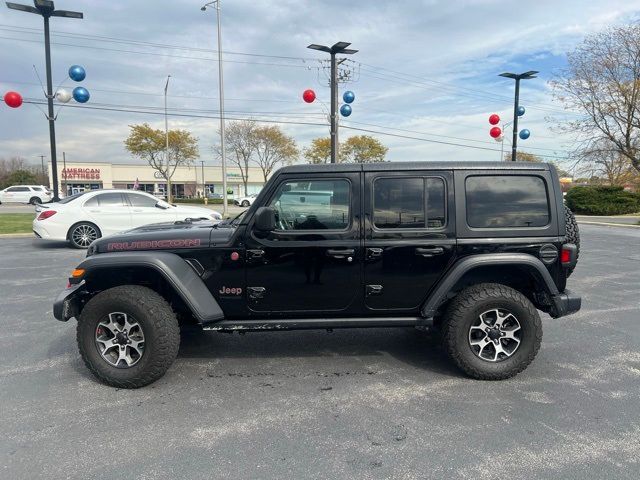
429	251
255	254
340	253
374	252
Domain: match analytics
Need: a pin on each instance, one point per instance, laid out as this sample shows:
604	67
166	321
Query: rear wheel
82	234
35	201
573	234
491	331
128	336
245	203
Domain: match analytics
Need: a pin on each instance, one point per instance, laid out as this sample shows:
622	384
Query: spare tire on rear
573	234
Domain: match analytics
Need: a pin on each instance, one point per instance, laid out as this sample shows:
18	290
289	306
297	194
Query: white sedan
245	201
80	219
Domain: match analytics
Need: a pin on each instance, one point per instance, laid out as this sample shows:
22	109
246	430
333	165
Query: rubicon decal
151	244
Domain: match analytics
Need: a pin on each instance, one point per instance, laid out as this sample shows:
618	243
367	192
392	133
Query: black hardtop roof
408	166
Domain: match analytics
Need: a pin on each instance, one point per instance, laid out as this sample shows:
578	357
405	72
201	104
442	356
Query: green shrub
200	201
591	200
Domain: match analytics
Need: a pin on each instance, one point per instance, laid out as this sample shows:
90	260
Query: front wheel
491	331
245	203
128	336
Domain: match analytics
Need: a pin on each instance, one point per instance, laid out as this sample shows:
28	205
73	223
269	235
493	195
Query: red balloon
309	96
494	119
495	132
13	99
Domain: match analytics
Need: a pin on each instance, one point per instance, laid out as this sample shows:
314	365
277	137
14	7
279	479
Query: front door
311	262
409	237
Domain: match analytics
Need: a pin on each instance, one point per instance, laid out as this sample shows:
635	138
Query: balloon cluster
79	94
496	132
348	97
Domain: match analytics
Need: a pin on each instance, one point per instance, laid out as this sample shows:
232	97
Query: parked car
80	219
341	246
33	194
245	201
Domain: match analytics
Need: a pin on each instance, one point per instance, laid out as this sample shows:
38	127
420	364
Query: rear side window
105	200
402	202
36	189
500	201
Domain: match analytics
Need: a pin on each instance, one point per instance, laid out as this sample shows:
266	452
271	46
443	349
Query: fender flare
460	268
174	269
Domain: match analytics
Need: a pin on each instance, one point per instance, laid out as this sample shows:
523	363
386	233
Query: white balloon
500	138
63	95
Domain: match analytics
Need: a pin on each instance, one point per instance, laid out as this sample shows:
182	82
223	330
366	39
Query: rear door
409	236
109	212
312	261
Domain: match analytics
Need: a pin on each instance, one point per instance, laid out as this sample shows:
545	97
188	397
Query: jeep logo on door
230	291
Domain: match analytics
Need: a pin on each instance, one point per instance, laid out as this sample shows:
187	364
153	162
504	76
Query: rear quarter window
506	201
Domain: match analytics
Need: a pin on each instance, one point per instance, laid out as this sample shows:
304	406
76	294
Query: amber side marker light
77	273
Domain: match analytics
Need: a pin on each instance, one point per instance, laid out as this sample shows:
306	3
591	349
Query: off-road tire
158	322
573	234
463	311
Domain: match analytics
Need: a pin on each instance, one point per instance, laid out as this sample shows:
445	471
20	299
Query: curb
17	235
610	224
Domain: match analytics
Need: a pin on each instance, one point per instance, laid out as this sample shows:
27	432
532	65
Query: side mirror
265	219
162	205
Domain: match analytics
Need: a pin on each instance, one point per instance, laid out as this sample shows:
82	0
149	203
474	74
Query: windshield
234	222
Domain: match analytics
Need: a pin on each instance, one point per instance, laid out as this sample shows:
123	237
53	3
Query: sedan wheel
83	234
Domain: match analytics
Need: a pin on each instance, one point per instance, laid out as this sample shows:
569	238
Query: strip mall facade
187	182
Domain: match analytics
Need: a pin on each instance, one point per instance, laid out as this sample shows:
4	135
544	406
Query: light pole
340	47
47	9
42	165
221	95
166	137
203	184
517	77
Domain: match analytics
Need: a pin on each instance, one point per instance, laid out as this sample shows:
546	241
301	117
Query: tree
149	144
273	147
22	177
357	149
319	151
241	144
362	149
530	157
602	82
602	161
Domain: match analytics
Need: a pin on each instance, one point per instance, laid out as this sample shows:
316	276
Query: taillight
46	214
565	255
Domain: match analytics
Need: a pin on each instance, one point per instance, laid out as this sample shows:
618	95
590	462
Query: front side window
502	201
402	203
141	200
312	205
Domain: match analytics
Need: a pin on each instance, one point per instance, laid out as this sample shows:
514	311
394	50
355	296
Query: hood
164	236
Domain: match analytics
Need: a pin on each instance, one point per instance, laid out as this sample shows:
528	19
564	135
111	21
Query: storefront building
187	182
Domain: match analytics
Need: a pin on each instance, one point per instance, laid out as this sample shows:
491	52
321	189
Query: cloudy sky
425	76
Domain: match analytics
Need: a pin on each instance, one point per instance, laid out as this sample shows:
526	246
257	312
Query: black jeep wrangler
470	250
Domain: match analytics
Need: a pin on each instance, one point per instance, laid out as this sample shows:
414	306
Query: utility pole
338	48
203	183
223	152
46	9
42	165
166	137
516	103
64	174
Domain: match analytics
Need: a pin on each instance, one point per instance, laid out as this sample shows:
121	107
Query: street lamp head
22	8
322	48
529	74
520	76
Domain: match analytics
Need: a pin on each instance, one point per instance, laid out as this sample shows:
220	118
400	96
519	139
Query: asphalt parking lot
350	404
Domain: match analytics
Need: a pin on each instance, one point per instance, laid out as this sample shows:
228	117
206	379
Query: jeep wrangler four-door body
471	250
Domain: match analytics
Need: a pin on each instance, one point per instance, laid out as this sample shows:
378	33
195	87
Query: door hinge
256	293
373	290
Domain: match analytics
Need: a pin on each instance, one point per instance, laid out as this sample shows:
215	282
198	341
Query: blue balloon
77	73
81	95
345	110
524	134
348	96
521	111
